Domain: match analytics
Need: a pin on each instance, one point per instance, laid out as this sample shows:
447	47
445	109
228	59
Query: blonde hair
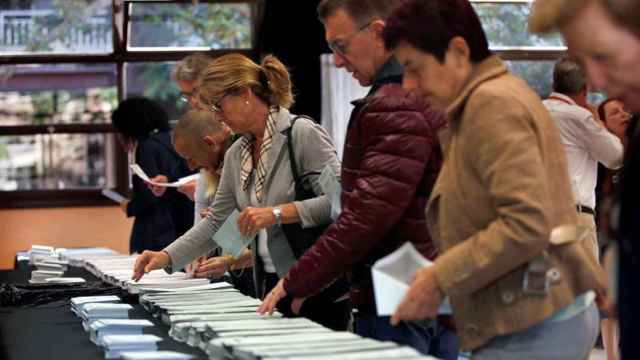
190	68
269	81
196	123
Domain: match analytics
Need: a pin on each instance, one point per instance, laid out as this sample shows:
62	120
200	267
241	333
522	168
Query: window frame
119	56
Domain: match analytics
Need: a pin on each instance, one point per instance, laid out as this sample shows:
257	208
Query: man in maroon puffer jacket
390	163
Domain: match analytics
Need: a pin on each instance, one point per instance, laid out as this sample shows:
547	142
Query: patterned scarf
246	157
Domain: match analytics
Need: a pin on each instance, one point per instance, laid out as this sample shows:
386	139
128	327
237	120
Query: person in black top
142	128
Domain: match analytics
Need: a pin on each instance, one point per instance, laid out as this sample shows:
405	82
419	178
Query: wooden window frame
120	56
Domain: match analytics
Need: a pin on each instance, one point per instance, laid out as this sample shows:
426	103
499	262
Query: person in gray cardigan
257	179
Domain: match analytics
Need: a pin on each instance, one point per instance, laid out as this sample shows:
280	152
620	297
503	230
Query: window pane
35	26
538	74
59	161
216	26
57	94
506	25
153	80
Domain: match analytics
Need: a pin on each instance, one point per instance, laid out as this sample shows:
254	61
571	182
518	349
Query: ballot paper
180	182
117	197
116	344
105	311
392	276
330	185
78	303
65	280
98	329
155	355
229	237
41	276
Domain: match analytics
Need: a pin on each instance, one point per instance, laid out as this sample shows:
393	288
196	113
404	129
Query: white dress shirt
586	142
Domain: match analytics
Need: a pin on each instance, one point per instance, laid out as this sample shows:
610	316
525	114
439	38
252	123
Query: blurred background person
515	292
616	119
603	36
142	128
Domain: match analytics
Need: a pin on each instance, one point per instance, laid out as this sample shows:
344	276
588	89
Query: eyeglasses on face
340	46
216	107
187	96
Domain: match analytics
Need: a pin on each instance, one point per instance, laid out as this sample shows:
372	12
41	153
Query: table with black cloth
52	331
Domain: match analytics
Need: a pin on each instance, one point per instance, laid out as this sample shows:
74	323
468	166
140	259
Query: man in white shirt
585	138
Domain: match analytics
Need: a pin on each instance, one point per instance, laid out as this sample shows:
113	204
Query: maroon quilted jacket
390	163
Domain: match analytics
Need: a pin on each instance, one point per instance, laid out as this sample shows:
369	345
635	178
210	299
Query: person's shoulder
392	107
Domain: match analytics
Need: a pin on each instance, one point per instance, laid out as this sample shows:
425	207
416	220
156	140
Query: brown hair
190	68
269	81
360	11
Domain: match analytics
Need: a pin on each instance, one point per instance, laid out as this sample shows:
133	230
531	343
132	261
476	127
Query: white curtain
339	88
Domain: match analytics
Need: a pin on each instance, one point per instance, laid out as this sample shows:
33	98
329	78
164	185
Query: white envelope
392	277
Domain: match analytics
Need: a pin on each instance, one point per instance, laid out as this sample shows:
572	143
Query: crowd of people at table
514	198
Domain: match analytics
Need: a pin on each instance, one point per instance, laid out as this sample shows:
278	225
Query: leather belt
585	209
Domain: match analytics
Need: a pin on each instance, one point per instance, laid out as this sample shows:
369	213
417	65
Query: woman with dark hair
519	279
142	128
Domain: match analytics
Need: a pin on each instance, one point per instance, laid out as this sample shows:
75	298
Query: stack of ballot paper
41	276
41	252
155	355
115	344
392	275
78	303
65	280
51	264
96	311
98	329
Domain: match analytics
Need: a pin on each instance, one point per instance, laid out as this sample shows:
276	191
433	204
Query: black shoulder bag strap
300	239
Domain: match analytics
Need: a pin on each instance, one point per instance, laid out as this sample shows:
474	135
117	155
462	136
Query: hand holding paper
406	271
180	182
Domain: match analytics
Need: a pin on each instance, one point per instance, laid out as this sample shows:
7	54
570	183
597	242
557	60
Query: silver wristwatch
277	212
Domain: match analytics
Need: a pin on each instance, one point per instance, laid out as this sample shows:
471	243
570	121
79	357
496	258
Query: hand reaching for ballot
158	190
213	267
149	260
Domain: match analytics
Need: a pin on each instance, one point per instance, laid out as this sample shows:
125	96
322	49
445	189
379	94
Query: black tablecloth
52	331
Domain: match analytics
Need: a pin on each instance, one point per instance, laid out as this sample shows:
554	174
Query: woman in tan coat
502	215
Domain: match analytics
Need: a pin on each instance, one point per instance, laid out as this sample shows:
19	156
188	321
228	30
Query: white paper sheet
182	181
392	277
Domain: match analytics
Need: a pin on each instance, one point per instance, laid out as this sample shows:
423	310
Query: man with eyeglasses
390	163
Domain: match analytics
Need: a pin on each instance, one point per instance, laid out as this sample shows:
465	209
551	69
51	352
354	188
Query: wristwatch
277	213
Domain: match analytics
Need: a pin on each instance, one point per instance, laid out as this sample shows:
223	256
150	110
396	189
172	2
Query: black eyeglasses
340	46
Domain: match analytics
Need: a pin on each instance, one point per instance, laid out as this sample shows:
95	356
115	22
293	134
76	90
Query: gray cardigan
313	151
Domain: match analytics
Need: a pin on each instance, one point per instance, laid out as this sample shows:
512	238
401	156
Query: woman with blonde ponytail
277	151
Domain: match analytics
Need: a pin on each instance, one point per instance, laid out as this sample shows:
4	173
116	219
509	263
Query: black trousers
321	308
